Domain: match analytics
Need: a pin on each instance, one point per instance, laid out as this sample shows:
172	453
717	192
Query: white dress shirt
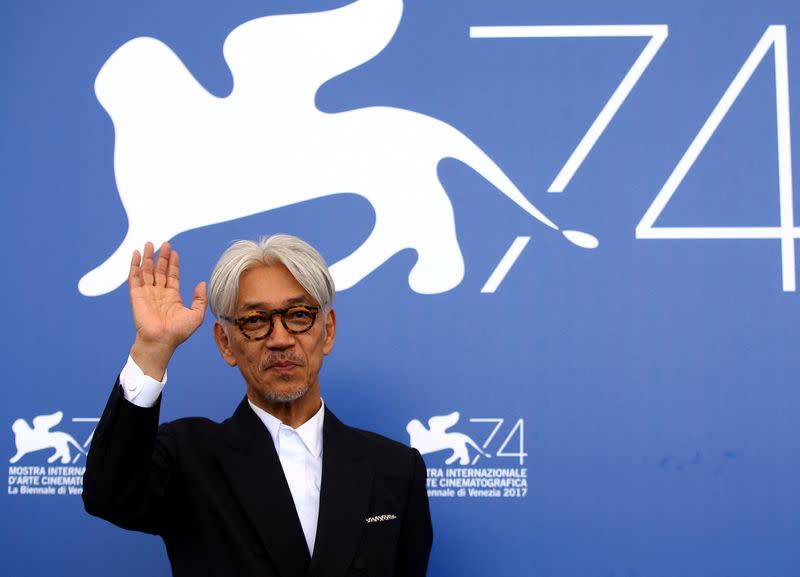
299	450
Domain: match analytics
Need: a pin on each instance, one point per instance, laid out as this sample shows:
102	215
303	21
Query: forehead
269	287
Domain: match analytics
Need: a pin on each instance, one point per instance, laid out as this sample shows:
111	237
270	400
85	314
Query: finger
135	274
161	264
147	263
200	299
173	271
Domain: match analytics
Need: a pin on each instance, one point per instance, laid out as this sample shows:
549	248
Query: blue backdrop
632	392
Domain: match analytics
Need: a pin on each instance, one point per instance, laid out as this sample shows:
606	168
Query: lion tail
477	448
75	444
466	151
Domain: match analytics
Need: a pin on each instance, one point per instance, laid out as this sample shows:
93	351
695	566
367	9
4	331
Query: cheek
314	357
251	359
317	364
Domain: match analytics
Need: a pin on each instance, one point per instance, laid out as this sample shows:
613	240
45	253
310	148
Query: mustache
283	357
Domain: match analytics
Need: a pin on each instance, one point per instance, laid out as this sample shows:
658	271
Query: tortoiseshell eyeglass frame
239	322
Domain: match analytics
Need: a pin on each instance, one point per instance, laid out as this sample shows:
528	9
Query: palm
158	310
159	315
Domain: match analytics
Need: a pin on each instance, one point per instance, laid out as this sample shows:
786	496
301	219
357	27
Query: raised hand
161	319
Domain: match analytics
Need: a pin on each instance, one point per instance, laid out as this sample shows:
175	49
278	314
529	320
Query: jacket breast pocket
377	551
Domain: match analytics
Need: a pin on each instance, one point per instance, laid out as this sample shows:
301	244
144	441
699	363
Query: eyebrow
298	300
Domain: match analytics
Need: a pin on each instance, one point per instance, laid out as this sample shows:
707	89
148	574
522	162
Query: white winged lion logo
184	158
436	438
28	440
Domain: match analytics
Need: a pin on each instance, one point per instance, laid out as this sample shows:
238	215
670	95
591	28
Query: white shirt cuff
138	388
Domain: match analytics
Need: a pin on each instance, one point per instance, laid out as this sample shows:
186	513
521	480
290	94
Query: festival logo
184	158
460	477
436	438
49	459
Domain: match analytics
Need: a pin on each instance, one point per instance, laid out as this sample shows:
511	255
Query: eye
253	320
298	314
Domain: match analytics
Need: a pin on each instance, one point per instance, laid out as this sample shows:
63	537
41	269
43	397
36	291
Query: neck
291	413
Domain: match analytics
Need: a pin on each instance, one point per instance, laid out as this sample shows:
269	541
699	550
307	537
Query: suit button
359	563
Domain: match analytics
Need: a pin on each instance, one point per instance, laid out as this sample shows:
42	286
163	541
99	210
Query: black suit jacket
216	494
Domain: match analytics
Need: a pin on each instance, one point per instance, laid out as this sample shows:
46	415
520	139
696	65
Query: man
281	488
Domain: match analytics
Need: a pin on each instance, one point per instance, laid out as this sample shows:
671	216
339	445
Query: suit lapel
256	477
344	500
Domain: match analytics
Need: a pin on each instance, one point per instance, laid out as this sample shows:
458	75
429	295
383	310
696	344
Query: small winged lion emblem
40	437
436	438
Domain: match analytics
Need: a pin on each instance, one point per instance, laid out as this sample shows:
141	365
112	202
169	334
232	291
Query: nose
279	338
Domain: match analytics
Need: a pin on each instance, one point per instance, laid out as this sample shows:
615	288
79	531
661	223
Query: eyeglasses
257	325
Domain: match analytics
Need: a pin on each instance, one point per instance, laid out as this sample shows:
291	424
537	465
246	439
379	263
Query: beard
283	397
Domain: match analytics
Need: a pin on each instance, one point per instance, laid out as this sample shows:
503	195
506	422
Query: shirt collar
309	432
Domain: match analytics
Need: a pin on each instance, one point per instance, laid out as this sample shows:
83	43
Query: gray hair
303	261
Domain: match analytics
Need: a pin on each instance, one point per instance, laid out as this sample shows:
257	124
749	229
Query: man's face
284	366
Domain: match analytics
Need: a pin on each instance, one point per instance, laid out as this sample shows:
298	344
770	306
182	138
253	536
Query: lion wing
441	423
44	423
317	45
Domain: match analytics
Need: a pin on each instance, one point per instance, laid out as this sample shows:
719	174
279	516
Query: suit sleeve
416	535
129	466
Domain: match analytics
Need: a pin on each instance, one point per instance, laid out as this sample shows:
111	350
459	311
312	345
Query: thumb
200	299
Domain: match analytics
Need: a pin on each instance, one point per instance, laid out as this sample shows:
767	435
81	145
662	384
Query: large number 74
775	37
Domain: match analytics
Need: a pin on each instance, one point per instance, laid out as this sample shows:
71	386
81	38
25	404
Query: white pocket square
380	518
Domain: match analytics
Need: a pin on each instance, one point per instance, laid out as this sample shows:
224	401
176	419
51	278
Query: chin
285	395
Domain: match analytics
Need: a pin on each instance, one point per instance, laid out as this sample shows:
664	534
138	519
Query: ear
223	344
330	332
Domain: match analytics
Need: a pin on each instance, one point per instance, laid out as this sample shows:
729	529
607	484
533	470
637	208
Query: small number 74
518	430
